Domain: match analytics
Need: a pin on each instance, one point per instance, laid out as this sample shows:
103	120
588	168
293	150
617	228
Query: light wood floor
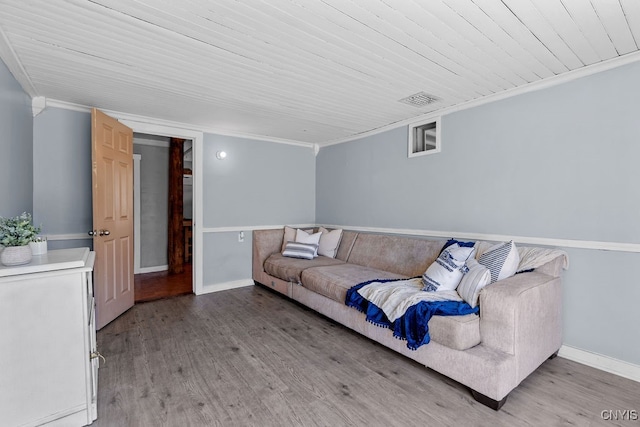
249	357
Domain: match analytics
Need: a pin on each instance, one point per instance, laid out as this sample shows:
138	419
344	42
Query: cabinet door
42	348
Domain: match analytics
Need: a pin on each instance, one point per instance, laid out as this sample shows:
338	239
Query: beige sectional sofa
518	328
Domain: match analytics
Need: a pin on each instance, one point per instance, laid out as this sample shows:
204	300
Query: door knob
93	232
104	232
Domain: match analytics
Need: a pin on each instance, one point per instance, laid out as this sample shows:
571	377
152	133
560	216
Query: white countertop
58	259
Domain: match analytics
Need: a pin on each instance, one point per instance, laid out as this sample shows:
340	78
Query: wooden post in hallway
176	230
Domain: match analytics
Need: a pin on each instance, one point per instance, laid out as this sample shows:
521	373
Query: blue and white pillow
459	242
502	260
300	250
477	277
445	273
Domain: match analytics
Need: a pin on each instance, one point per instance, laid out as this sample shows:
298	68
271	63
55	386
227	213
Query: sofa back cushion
346	244
400	255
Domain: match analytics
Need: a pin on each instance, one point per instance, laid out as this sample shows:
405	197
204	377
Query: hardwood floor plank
249	357
161	284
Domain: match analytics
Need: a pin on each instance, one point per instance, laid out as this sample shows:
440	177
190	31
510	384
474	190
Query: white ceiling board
489	29
615	22
395	37
631	9
313	71
515	27
560	21
530	16
464	33
591	27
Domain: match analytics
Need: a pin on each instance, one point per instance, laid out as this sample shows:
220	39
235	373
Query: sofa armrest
522	316
265	243
553	268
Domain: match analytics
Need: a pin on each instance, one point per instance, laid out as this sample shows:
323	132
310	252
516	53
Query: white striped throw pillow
304	237
290	235
300	250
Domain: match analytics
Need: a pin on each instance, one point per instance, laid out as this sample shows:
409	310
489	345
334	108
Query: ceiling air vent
420	99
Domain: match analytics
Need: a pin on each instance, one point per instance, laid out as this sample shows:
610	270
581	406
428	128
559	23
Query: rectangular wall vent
420	99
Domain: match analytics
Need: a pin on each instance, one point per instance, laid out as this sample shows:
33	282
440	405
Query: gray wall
16	147
62	172
227	259
259	183
557	163
154	204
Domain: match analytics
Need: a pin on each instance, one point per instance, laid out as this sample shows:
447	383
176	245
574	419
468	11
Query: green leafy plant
18	231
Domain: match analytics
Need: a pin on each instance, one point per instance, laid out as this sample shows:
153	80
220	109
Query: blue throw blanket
413	325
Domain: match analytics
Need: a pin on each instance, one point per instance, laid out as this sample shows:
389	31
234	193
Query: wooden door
112	163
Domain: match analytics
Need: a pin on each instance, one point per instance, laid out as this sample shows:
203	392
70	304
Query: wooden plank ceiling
301	70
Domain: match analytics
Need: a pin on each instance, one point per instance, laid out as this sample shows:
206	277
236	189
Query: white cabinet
48	368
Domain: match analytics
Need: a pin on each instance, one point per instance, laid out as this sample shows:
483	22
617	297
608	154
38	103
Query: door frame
137	158
198	141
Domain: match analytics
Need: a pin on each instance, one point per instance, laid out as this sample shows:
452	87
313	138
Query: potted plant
15	235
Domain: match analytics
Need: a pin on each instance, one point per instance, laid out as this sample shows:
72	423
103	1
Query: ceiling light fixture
221	155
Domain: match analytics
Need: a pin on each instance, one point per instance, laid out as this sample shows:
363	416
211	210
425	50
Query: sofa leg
554	355
487	401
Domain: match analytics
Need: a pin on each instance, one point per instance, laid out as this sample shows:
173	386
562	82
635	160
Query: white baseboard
153	269
217	287
599	361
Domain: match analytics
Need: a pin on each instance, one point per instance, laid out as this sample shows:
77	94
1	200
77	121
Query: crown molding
529	87
176	125
38	103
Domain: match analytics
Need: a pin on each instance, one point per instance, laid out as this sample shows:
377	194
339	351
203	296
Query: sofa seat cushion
455	332
290	269
334	281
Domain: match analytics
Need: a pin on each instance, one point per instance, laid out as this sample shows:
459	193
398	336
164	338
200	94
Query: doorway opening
153	219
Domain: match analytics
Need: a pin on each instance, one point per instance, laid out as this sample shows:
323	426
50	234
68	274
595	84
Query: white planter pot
38	248
15	255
